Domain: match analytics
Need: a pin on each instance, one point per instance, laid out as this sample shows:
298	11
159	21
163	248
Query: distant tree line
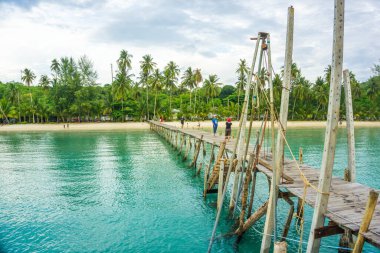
71	93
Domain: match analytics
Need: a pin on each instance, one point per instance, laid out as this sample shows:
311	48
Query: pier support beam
369	210
277	154
245	103
331	128
220	184
350	127
196	152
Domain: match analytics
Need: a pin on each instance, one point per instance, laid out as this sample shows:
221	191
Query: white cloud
210	35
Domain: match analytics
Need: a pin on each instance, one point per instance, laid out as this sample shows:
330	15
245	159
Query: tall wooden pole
369	210
240	154
349	126
235	146
111	73
278	154
331	127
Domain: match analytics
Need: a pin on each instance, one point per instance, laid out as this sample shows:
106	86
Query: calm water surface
130	192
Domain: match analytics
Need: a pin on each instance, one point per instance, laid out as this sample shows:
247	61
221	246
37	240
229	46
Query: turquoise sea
128	191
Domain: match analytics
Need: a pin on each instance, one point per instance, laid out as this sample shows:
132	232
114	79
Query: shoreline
144	126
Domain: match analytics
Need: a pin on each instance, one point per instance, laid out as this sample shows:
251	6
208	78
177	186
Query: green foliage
71	93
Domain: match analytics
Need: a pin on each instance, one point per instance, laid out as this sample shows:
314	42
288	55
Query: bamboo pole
260	212
244	197
220	184
270	217
277	155
369	210
207	170
203	160
182	143
240	157
349	126
300	211
248	176
196	152
300	155
350	172
236	144
331	128
289	219
188	147
254	168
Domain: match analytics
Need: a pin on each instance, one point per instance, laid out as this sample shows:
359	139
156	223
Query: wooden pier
347	200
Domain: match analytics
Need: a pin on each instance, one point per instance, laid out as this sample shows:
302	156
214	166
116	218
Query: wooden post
200	165
220	184
188	147
331	128
270	222
240	157
369	210
244	197
207	170
176	140
300	156
182	143
300	210
349	126
260	212
196	152
289	219
349	173
250	75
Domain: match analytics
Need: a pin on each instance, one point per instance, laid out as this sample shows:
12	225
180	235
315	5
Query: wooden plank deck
347	200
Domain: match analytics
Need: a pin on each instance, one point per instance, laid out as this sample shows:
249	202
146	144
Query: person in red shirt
228	129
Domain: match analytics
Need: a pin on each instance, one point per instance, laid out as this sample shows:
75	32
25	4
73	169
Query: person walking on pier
214	121
228	129
182	121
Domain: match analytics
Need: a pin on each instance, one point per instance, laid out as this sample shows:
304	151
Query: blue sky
210	35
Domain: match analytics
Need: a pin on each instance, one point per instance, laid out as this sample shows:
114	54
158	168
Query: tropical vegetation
71	93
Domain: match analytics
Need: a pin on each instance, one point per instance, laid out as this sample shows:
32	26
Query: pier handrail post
277	155
331	128
369	210
271	212
350	126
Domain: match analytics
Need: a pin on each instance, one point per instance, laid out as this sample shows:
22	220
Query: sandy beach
142	125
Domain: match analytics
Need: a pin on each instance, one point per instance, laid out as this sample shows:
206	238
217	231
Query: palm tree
373	88
120	87
147	66
328	74
156	83
197	79
188	80
55	67
44	82
212	87
171	73
125	61
14	94
242	72
5	108
320	91
28	77
300	89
